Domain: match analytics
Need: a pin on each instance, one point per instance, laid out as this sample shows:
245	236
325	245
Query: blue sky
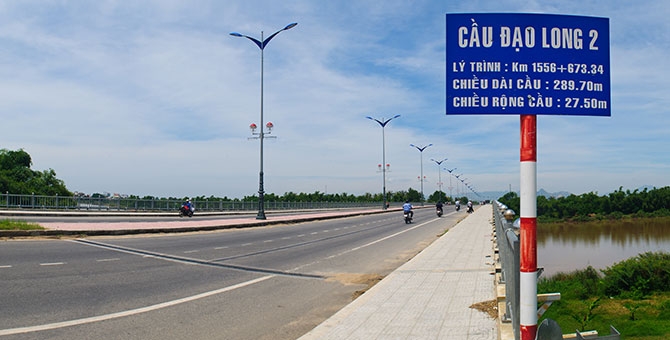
155	98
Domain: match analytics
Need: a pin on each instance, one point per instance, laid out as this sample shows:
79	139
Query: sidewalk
430	296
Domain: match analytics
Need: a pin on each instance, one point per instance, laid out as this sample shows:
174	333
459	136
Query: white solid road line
76	322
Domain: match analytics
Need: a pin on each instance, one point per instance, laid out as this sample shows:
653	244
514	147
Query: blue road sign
528	64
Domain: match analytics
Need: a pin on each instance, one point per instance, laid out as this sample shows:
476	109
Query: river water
569	246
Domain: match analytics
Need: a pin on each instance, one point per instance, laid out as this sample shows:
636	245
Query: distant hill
547	194
492	195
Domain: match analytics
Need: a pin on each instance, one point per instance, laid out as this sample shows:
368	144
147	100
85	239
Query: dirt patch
357	279
489	307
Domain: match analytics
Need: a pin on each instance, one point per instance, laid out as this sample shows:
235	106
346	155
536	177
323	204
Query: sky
156	98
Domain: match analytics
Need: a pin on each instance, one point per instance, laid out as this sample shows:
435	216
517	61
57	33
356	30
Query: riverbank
633	296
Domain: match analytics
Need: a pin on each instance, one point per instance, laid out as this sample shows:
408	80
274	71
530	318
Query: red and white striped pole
528	236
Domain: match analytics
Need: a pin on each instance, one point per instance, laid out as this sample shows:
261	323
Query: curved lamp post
383	123
439	176
421	178
451	196
458	177
261	135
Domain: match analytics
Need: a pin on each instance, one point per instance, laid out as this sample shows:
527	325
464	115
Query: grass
641	319
8	224
585	304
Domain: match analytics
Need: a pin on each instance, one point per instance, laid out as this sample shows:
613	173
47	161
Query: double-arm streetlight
421	148
383	123
439	176
261	135
451	196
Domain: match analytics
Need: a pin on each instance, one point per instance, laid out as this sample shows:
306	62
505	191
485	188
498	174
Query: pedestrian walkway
429	297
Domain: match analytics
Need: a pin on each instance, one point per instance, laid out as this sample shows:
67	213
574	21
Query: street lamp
451	196
421	179
462	181
439	176
261	135
458	177
383	123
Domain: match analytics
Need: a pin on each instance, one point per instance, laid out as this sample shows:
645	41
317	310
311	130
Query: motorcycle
439	212
458	207
470	209
408	217
185	211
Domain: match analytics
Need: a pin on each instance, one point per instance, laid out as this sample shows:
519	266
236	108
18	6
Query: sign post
528	230
527	65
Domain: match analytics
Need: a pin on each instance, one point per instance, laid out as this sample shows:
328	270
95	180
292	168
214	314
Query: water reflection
568	246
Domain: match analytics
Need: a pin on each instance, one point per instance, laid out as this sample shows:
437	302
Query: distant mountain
547	194
493	195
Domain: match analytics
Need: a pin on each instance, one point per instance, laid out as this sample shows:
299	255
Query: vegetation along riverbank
632	295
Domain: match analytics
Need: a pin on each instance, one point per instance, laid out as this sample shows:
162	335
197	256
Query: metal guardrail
11	201
508	246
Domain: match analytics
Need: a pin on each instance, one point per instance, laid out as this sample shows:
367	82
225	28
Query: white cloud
117	100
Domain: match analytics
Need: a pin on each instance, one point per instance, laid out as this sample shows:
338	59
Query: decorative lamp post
383	123
439	177
421	178
262	43
463	192
458	187
451	196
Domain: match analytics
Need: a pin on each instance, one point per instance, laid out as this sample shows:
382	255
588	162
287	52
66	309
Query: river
566	247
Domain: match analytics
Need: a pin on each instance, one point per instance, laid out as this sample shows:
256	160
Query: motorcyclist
187	206
470	209
458	205
407	208
439	206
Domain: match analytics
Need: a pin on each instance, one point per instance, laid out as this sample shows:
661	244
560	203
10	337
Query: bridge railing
508	247
11	201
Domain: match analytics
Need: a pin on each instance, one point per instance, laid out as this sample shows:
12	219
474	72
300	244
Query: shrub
579	284
639	276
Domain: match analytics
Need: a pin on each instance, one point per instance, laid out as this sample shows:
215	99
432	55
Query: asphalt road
274	282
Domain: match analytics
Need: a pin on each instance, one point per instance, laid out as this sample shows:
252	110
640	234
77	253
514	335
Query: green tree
14	159
46	183
16	176
437	196
414	195
655	202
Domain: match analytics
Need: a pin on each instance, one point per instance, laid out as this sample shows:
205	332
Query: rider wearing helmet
407	208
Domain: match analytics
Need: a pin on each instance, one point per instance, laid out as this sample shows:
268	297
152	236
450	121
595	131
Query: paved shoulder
430	296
